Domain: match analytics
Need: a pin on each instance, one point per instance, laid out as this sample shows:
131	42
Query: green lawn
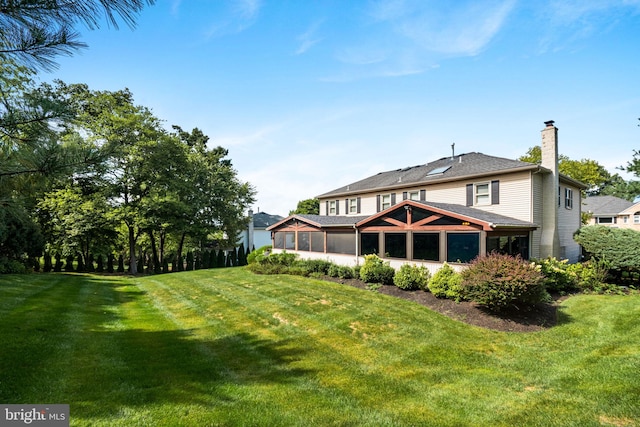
226	347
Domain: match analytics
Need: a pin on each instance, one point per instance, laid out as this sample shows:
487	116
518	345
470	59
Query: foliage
258	254
318	266
558	274
500	281
308	206
587	171
445	283
618	247
11	266
591	277
375	270
411	277
340	271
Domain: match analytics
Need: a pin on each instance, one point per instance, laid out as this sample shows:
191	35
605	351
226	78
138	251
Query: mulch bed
542	316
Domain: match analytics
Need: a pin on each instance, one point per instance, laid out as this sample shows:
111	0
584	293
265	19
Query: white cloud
309	38
241	15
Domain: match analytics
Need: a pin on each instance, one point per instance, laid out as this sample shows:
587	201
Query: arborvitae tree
198	261
165	266
189	261
139	264
58	265
220	258
47	262
80	263
100	264
120	264
110	263
234	257
69	263
89	266
228	260
242	258
206	258
179	264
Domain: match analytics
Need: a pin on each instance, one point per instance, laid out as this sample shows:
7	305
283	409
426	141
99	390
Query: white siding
536	183
568	223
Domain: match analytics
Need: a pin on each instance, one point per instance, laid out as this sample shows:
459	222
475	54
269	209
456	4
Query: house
612	211
452	209
256	234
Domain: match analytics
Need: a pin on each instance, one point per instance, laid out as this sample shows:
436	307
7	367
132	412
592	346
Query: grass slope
226	347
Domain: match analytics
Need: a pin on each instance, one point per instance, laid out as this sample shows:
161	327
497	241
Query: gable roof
463	166
488	220
605	205
445	169
322	220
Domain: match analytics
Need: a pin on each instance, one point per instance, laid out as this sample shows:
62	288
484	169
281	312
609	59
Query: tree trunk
154	252
133	268
179	255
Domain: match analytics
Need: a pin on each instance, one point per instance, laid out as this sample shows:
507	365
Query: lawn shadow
141	367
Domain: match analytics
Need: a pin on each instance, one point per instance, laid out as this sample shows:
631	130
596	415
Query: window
332	207
385	201
605	220
568	198
353	206
369	243
317	241
278	240
303	240
414	195
510	245
395	245
426	246
290	240
625	219
482	195
462	247
636	218
341	243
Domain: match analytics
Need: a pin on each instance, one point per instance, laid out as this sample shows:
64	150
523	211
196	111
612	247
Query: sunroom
410	231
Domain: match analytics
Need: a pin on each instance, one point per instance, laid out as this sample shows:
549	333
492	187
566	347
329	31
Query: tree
308	206
35	31
587	171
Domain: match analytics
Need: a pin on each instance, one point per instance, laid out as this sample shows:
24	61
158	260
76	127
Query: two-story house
452	209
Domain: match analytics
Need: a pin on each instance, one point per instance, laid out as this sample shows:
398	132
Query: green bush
591	276
333	270
11	266
412	277
375	270
499	281
445	283
318	266
258	254
619	247
559	277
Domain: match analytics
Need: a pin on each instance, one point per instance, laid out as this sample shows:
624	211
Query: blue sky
308	96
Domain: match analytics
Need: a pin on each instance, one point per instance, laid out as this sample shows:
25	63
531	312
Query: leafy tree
308	206
618	247
587	171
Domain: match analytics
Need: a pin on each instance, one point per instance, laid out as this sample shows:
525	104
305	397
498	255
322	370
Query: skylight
438	171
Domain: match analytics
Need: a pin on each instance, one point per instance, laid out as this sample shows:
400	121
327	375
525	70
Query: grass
226	347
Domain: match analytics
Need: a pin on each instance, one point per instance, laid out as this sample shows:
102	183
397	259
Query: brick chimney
549	240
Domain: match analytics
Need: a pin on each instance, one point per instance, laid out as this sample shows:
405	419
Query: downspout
357	246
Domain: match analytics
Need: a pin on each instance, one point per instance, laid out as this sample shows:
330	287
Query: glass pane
317	241
278	240
290	240
462	247
303	241
341	243
395	245
426	246
369	243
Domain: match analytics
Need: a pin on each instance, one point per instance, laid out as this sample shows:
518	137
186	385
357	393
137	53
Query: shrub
375	270
445	283
558	274
411	277
318	266
258	254
333	270
619	247
11	266
591	276
498	281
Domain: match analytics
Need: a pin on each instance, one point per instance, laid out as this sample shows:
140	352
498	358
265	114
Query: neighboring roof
605	205
488	219
458	167
263	220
